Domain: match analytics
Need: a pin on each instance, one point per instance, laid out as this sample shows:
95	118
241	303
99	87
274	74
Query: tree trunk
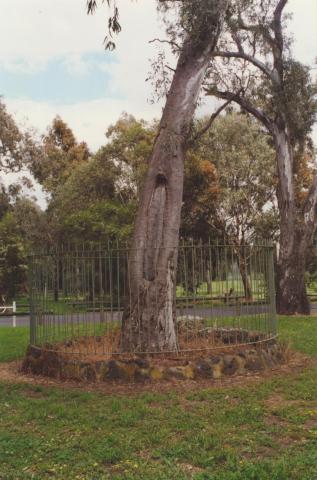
295	235
56	280
149	319
208	281
242	264
291	285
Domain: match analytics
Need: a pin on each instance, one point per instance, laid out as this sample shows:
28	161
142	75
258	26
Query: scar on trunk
160	180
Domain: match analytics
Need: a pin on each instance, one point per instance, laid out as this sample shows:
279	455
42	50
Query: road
227	311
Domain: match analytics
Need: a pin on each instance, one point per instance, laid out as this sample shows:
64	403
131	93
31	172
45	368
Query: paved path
228	311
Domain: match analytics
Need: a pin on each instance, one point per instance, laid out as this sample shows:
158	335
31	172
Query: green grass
261	431
301	332
13	343
220	288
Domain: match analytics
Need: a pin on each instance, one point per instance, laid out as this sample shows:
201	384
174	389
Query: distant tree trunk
56	280
149	319
291	286
243	268
297	226
208	281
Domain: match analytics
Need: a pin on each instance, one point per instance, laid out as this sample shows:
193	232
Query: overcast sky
52	61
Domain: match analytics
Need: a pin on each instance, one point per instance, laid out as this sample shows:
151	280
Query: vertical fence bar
271	282
31	299
77	296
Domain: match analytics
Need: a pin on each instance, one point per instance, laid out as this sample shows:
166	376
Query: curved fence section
224	297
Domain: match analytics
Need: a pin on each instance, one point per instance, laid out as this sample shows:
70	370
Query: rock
71	371
113	371
175	372
217	370
156	373
240	361
142	375
181	372
102	371
217	359
188	372
88	373
203	369
254	363
141	362
231	365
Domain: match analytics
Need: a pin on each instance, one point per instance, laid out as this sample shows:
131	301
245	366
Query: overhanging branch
213	117
244	56
245	105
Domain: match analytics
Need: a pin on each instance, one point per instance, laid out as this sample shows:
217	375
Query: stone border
260	357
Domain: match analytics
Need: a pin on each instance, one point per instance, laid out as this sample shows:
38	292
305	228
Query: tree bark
291	286
149	318
296	231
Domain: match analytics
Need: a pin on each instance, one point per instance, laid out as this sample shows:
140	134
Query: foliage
16	148
130	145
245	179
254	58
201	192
13	261
61	153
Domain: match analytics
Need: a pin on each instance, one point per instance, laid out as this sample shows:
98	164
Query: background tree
129	148
245	203
60	154
254	59
90	205
17	148
13	260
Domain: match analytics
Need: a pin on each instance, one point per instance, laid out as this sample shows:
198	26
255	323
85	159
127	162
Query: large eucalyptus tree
255	68
149	318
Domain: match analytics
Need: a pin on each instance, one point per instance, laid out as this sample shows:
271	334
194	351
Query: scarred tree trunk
149	319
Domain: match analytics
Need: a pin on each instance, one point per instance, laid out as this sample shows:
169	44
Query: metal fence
224	296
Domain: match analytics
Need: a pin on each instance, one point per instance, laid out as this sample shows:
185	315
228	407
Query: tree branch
170	42
279	42
245	105
244	56
256	28
213	117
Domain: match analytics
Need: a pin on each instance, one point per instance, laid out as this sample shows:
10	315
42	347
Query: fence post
32	309
271	280
14	318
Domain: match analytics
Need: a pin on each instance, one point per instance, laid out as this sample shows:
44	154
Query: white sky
37	37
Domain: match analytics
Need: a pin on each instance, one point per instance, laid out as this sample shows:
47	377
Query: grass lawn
13	342
260	431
